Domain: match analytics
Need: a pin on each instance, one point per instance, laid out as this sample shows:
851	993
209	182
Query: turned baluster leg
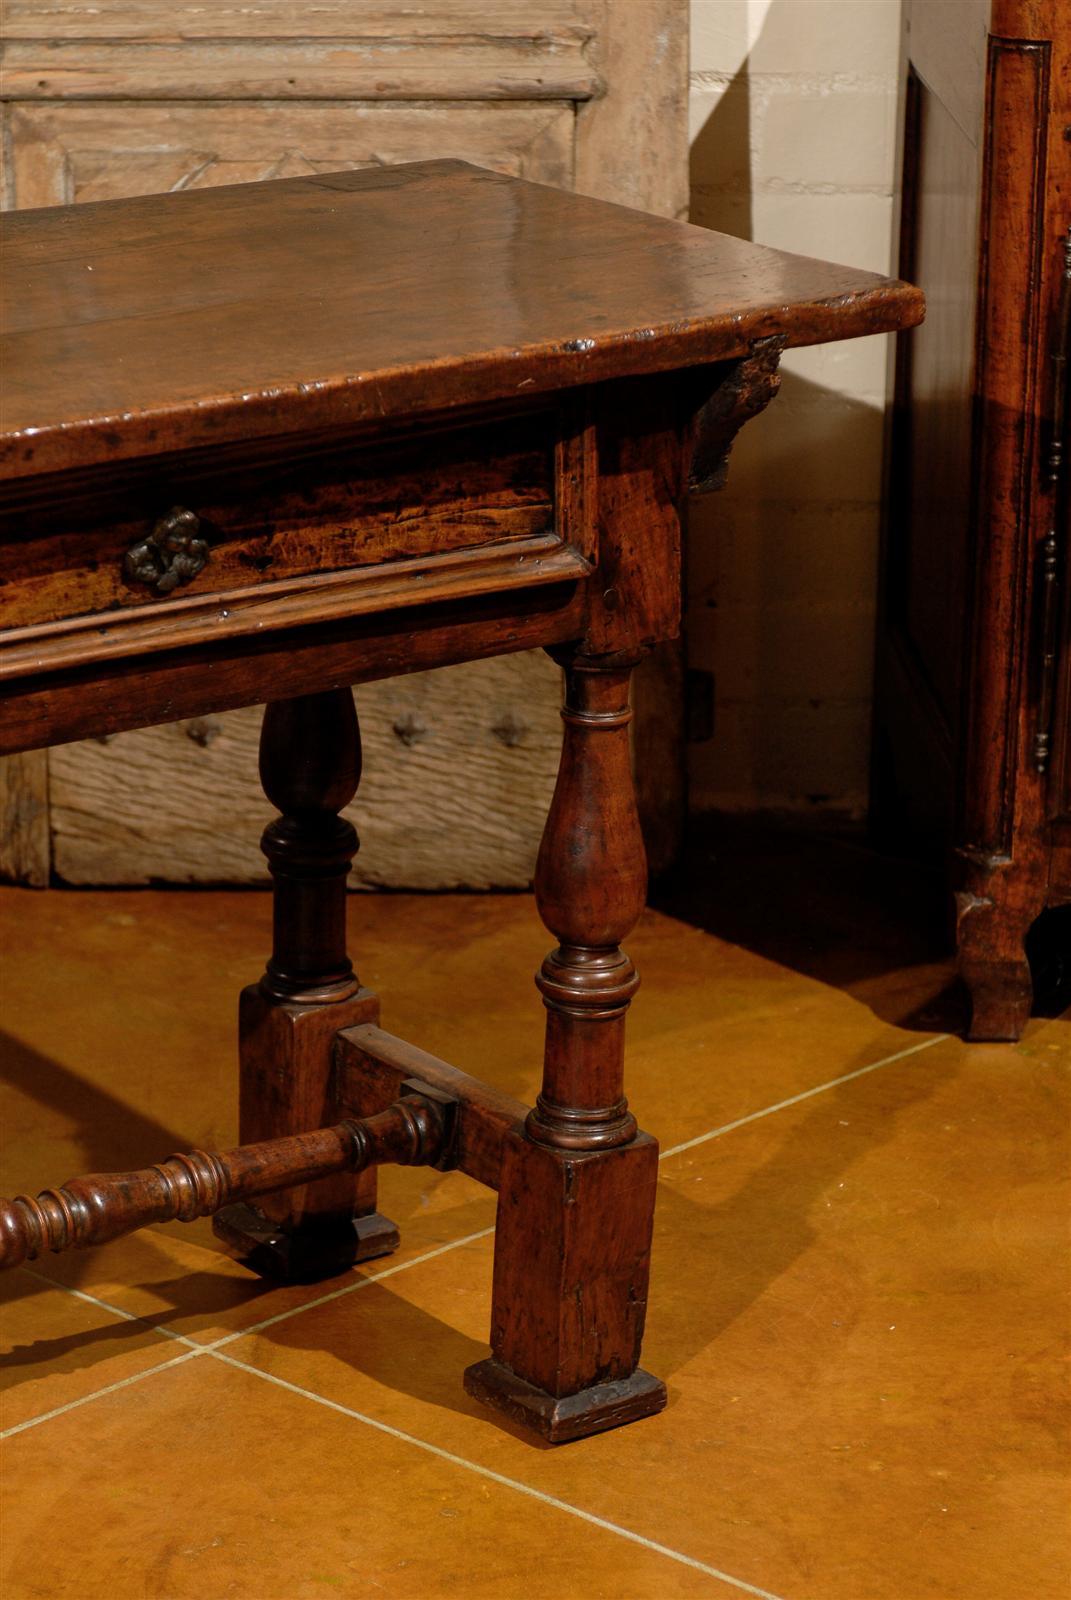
310	766
577	1191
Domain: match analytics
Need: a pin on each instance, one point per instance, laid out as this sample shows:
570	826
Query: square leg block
287	1085
574	1416
572	1260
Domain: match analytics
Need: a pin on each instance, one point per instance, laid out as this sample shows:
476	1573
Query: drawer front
178	553
182	533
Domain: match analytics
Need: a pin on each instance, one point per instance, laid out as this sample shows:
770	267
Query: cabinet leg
993	965
577	1189
310	765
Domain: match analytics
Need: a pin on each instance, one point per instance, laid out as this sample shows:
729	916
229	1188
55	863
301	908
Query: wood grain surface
162	823
138	326
974	634
614	126
279	519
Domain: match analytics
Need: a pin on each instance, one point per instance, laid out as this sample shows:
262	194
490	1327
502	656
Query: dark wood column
576	1196
591	884
310	767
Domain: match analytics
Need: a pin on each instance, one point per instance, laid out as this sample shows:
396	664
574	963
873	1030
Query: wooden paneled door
973	694
148	95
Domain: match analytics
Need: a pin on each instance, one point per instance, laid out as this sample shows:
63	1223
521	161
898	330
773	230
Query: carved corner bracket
746	387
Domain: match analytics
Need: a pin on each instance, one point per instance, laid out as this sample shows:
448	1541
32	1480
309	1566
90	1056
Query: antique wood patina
973	685
277	440
105	102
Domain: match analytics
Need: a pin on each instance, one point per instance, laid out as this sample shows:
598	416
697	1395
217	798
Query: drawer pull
173	553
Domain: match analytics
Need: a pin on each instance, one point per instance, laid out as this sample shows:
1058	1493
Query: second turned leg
310	765
577	1190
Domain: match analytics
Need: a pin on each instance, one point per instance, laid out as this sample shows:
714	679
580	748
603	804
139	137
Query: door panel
104	151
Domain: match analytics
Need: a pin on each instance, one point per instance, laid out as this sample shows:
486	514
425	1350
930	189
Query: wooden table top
135	327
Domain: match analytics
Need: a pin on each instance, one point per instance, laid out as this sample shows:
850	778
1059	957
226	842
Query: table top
136	327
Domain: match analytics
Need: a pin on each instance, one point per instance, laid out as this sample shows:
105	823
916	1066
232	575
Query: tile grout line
123	1383
350	1288
494	1477
483	1233
401	1266
117	1311
196	1348
807	1094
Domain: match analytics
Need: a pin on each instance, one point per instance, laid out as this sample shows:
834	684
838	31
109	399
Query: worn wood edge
575	1416
486	1115
511	23
25	839
320	450
80	703
511	564
887	307
444	67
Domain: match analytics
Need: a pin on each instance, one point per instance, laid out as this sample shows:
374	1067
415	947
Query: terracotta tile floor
858	1271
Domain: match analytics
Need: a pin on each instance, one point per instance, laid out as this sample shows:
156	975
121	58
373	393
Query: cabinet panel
971	500
77	151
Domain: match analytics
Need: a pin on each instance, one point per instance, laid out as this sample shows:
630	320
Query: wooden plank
72	151
458	767
632	142
25	855
542	66
278	608
273	19
368	1056
328	262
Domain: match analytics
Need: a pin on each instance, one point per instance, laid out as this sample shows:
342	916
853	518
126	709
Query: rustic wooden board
544	66
25	849
458	765
392	27
74	151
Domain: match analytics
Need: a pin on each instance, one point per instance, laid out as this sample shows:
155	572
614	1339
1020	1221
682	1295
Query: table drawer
168	553
184	532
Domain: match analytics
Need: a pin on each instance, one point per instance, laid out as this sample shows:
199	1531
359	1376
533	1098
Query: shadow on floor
712	1262
826	905
112	1134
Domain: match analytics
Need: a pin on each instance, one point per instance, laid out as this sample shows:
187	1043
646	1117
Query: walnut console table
267	442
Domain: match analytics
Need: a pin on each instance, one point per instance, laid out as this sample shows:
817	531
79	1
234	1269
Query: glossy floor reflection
858	1271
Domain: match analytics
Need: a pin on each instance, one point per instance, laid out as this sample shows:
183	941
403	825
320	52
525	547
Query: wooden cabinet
973	701
149	96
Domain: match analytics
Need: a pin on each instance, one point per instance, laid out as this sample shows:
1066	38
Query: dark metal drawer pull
173	553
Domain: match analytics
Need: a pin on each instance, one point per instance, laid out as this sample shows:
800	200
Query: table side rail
367	1056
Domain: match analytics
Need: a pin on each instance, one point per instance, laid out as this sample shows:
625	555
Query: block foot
303	1255
573	1416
